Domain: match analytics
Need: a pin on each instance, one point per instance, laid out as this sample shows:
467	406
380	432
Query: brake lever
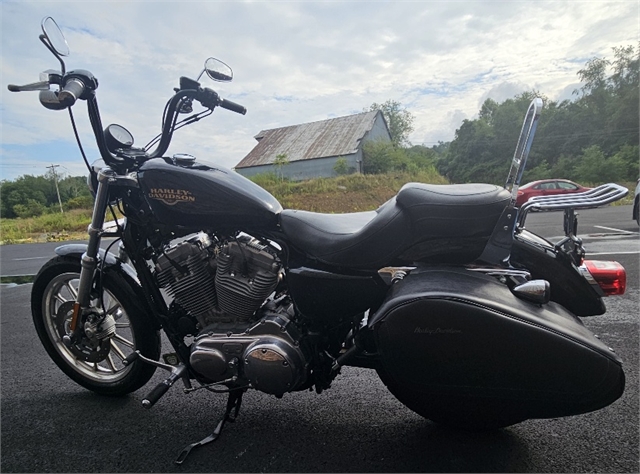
34	86
48	77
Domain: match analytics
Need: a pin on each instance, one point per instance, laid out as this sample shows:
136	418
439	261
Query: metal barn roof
333	137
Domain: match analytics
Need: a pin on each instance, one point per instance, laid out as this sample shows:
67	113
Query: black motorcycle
468	318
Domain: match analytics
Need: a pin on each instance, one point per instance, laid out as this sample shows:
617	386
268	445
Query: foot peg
177	372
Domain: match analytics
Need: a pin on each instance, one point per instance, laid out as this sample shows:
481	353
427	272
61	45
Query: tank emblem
171	196
432	331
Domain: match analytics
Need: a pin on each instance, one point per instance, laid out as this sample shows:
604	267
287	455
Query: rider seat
423	222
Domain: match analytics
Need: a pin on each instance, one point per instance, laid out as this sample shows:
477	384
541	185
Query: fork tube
89	260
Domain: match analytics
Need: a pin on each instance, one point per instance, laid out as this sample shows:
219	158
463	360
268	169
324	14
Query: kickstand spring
233	405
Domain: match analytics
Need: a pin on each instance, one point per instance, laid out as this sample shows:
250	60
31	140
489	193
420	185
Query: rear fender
569	288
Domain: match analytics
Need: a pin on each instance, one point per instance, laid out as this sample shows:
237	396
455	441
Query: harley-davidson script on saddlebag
468	318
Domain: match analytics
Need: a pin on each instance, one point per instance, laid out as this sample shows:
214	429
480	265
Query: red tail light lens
610	276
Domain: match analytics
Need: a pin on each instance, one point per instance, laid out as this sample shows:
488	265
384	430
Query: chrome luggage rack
596	197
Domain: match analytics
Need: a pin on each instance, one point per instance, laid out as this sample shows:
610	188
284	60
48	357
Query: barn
312	149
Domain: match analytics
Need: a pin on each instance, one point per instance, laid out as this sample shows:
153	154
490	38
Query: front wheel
94	362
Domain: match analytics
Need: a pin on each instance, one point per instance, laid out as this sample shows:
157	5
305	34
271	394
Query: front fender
110	260
112	263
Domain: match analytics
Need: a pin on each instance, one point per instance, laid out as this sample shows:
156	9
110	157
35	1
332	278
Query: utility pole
55	180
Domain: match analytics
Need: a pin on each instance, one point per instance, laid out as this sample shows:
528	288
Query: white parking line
613	253
614	230
30	258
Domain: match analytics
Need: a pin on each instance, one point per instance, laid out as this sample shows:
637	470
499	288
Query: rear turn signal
610	276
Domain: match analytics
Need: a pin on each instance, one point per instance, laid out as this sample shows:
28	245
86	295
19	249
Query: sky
294	62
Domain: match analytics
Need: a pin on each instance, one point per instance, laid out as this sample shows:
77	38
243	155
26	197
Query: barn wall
305	169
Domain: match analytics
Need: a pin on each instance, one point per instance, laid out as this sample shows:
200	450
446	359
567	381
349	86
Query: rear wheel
94	362
453	411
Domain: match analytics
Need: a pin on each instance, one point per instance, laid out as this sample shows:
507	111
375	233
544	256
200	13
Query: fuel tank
201	195
456	337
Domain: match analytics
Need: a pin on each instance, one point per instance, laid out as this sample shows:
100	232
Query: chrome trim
586	274
523	147
511	272
536	291
596	197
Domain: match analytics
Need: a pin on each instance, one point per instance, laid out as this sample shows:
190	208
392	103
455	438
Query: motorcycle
469	319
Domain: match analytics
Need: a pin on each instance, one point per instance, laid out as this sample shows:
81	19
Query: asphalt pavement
50	424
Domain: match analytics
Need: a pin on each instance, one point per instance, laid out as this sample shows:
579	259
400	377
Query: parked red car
547	187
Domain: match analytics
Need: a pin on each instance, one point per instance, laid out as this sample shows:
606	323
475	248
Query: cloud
503	91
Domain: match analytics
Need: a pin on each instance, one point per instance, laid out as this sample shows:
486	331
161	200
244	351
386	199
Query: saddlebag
456	336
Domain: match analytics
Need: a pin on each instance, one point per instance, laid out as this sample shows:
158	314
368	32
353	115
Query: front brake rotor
86	349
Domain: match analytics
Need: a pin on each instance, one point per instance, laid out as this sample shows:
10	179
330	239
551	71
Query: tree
399	121
594	167
28	190
605	115
280	162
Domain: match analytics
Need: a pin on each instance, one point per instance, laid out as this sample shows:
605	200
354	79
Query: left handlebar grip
71	92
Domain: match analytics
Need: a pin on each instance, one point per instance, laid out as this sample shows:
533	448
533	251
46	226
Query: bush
80	202
378	157
341	167
31	209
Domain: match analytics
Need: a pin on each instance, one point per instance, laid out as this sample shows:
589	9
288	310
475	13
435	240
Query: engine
239	332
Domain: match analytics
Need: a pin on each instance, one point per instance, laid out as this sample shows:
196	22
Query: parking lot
50	424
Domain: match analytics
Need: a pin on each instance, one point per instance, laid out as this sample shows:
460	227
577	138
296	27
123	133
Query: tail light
610	276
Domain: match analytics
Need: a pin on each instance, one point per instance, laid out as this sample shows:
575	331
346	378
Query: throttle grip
227	104
71	92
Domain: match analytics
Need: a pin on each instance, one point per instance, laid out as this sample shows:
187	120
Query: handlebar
81	84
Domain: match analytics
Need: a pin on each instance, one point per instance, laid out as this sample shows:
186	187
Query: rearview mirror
217	70
54	36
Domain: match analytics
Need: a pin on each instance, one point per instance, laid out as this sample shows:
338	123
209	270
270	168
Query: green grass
350	193
47	227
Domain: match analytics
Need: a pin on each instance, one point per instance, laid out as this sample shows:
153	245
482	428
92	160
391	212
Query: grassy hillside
351	193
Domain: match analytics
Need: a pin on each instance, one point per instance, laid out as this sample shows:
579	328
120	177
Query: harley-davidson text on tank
171	196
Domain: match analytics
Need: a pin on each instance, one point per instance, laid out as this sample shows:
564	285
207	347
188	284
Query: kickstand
234	402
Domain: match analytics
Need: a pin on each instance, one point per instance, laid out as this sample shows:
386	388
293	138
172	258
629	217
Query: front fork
89	261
